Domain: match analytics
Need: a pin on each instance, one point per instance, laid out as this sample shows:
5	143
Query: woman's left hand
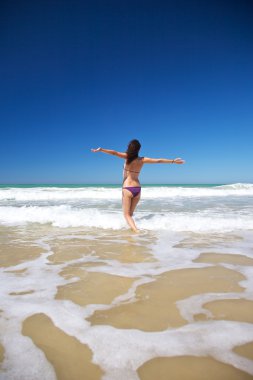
179	161
96	150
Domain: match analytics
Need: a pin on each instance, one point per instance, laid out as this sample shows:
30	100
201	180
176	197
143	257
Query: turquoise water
104	185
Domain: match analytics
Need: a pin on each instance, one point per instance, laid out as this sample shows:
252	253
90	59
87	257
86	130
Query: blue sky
177	75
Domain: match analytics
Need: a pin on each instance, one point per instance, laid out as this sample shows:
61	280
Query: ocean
83	297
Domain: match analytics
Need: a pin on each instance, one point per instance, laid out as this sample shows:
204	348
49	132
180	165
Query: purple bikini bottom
135	190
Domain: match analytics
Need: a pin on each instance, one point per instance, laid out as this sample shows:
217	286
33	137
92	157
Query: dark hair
132	150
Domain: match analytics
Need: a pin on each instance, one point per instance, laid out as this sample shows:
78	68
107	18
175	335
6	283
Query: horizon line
113	184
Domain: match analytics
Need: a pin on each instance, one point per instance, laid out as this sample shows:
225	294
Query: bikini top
127	170
132	171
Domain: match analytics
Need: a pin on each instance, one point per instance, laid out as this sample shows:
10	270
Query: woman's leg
127	199
134	203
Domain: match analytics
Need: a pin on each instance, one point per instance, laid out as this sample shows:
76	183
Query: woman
131	189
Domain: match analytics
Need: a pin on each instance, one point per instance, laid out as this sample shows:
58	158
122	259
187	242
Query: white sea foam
236	186
61	216
198	339
67	216
222	208
56	193
93	193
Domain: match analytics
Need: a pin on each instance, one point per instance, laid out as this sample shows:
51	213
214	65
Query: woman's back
131	172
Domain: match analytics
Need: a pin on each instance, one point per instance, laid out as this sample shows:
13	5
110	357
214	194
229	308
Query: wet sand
71	359
98	272
1	353
189	368
245	350
16	248
11	255
231	310
155	306
92	288
216	258
125	252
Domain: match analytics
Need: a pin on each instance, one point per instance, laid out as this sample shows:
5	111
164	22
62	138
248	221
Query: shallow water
84	297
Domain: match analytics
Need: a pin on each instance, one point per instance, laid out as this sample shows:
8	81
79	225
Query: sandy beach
101	303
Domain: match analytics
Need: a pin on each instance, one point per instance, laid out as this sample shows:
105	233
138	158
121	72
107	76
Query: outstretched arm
109	151
147	160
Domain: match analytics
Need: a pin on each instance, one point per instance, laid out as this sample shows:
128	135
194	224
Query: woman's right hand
96	150
179	161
